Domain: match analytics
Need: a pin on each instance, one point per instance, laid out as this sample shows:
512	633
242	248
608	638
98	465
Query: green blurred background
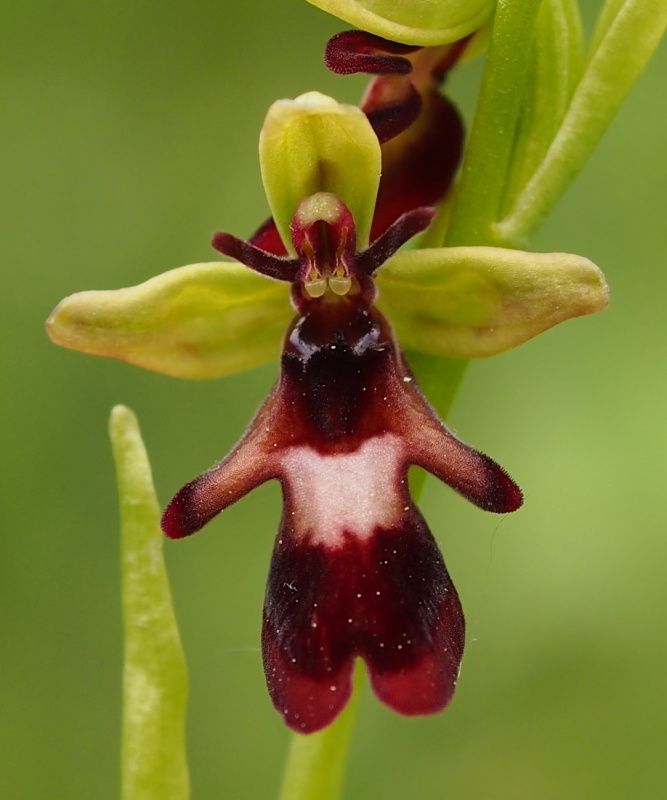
129	135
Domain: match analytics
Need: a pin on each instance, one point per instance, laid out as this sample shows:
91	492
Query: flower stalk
315	767
626	37
479	193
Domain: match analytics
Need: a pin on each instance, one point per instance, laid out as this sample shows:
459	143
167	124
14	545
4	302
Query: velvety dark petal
267	238
401	231
384	596
472	474
390	119
419	164
266	263
355	571
350	52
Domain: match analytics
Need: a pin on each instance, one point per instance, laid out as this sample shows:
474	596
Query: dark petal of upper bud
385	597
282	269
383	248
390	119
350	52
267	238
419	164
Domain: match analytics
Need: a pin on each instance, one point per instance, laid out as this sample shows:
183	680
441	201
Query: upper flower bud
420	22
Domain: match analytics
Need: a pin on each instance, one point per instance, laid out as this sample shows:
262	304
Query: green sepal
199	321
472	302
153	759
421	22
315	144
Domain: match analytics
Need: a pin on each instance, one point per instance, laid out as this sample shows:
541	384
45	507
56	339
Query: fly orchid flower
355	571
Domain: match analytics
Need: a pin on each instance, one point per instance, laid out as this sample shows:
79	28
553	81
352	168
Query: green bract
210	320
154	673
421	22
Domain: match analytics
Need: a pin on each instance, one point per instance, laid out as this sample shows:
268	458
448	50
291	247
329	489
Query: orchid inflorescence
355	571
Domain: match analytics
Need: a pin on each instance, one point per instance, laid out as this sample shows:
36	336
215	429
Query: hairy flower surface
355	571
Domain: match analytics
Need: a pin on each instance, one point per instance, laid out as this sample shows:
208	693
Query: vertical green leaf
153	762
627	35
557	59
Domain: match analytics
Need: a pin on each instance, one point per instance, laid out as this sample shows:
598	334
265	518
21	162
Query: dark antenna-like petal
402	230
351	52
281	269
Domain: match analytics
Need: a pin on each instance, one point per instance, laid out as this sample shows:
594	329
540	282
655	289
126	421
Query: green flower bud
420	22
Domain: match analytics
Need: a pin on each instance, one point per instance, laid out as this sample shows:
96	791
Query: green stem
153	762
316	763
481	187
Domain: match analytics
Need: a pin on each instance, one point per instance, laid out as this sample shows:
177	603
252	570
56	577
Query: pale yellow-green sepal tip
199	321
472	302
315	144
419	22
